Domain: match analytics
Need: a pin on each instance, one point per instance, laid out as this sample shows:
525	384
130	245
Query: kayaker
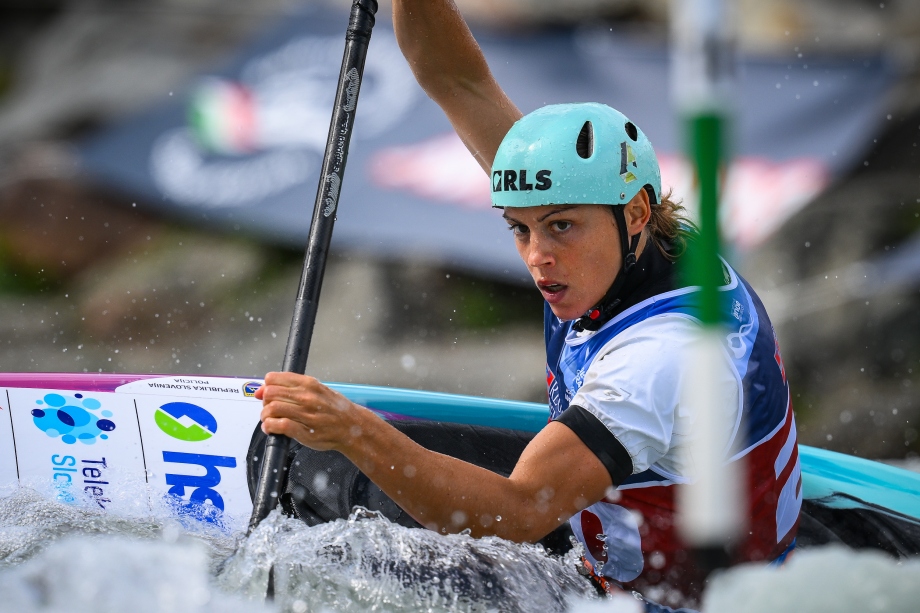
581	192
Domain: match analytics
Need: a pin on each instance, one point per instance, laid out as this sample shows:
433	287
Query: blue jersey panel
766	391
567	363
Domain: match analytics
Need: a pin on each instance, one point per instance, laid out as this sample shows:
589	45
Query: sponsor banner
84	446
196	450
241	147
179	439
189	386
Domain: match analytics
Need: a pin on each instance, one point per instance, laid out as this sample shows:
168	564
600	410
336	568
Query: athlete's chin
566	312
566	302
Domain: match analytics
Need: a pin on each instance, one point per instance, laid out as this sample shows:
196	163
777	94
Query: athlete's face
572	252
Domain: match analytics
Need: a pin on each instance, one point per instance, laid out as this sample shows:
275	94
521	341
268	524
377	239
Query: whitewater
66	557
60	557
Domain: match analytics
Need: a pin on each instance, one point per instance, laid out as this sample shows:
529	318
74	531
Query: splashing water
366	563
57	557
30	522
831	579
113	574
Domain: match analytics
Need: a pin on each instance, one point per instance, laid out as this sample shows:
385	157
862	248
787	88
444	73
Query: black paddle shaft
360	25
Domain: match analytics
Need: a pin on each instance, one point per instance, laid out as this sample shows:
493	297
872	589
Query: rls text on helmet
516	180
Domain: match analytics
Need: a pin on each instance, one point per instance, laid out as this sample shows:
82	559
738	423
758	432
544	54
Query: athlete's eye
561	226
518	229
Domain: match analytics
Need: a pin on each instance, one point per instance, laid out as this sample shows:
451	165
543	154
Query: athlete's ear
637	211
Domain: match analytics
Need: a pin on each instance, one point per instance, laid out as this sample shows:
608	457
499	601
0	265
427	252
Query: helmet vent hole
632	131
585	143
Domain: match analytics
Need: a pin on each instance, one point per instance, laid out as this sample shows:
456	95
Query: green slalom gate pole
705	134
712	508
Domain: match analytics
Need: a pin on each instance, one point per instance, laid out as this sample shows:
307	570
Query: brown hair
670	226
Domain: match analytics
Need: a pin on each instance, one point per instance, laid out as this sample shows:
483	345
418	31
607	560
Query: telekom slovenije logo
73	418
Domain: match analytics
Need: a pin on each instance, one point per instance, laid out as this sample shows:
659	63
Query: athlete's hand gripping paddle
357	38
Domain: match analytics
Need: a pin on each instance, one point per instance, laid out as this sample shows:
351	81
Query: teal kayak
846	500
843	481
88	432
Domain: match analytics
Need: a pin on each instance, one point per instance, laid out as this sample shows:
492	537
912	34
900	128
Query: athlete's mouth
551	288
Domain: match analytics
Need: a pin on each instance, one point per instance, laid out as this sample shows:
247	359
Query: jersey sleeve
602	443
632	390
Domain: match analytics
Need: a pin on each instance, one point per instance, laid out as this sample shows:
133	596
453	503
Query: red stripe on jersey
764	490
787	469
667	562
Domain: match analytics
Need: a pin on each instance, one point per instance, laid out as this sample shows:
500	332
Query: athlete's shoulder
666	331
650	355
653	354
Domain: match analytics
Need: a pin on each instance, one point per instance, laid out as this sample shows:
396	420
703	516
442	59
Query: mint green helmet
583	153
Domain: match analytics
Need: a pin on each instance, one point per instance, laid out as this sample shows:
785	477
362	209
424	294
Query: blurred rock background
88	283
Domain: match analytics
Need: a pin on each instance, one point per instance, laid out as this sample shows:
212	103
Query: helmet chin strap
603	311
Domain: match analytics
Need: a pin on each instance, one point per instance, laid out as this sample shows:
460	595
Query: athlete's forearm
450	67
438	45
446	494
556	475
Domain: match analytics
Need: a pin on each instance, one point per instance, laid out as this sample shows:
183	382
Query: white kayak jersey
626	378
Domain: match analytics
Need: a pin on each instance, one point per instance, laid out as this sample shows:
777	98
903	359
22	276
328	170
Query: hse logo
203	499
167	419
73	418
195	495
250	388
516	180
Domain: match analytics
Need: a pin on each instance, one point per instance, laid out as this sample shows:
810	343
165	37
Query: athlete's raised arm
450	67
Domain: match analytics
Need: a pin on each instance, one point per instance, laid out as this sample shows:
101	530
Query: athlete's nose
539	253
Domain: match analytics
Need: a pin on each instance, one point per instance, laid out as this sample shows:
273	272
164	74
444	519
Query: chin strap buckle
629	262
596	317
